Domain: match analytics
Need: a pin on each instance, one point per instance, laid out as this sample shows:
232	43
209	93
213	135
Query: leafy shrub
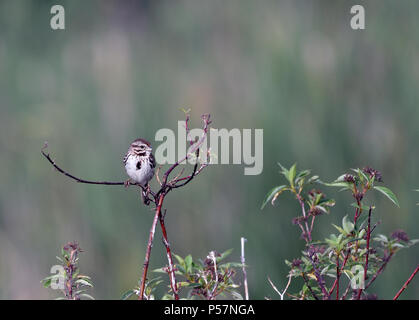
206	279
351	251
68	280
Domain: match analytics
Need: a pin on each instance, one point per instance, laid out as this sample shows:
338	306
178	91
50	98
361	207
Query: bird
139	164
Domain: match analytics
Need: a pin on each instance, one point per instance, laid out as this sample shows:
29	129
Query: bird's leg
145	193
127	183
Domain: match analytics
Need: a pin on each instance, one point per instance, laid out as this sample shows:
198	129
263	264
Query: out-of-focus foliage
355	251
208	279
325	95
70	282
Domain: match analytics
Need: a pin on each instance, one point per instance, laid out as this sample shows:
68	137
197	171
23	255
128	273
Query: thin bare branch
380	270
157	175
177	177
171	269
206	119
80	180
148	251
406	283
243	261
214	260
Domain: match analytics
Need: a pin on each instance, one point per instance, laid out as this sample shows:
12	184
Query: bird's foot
145	193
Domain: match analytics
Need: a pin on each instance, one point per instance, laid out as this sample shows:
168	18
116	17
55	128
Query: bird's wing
125	158
152	161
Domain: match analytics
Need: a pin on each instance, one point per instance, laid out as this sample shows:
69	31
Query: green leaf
381	238
225	254
333	241
341	178
313	179
46	283
344	185
83	282
188	263
363	207
347	226
348	273
154	281
229	265
361	175
185	111
327	202
183	284
154	285
274	192
341	230
389	194
339	182
322	208
88	296
236	295
80	291
180	260
284	171
291	174
302	174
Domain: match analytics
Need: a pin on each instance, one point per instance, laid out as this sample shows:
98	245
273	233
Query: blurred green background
326	96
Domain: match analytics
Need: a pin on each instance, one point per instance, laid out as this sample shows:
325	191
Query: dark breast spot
138	165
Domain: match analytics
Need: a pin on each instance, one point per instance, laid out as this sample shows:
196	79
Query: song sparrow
139	164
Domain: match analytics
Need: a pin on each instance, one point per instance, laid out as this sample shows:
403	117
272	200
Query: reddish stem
194	148
379	270
309	287
337	276
312	223
343	266
149	245
368	244
406	283
303	210
368	251
171	269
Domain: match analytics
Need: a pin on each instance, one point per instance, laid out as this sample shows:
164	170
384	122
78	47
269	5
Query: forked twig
157	199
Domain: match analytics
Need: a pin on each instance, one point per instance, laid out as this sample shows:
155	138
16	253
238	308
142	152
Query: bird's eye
141	147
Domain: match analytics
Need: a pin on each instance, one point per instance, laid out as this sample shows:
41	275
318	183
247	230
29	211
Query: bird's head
141	147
